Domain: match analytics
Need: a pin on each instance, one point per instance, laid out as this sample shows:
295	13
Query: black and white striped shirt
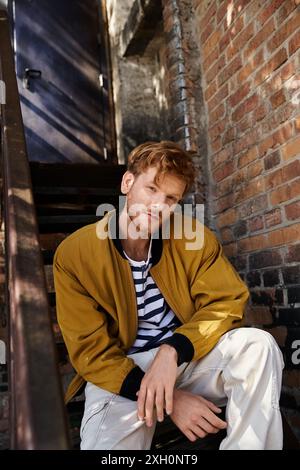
156	320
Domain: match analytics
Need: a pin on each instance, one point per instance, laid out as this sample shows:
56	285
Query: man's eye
151	188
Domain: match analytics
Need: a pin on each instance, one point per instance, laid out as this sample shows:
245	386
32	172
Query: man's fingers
141	403
159	403
214	420
211	406
207	427
149	405
199	431
169	400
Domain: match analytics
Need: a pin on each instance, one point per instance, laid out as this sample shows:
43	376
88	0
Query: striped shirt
156	320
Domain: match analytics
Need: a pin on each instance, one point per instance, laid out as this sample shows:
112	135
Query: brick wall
250	66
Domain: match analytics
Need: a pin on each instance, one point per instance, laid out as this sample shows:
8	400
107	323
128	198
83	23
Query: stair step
76	174
50	241
64	223
65	208
75	191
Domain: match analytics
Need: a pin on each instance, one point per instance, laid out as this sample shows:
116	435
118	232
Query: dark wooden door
61	72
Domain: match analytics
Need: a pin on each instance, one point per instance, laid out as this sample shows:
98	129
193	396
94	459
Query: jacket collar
113	228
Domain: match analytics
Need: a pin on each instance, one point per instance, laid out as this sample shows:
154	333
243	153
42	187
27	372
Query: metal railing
37	412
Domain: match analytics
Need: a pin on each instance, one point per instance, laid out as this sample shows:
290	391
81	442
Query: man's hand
157	386
195	416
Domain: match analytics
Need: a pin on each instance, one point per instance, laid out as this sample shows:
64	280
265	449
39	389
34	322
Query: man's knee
262	341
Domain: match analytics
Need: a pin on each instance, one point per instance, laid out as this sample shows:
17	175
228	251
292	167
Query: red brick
274	63
230	70
207	32
279	333
280	136
283	134
257	315
287	8
246	141
230	250
220	157
269	10
210	90
272	160
222	10
217	114
226	235
283	114
257	186
260	112
276	82
285	192
284	32
291	149
256	223
260	38
230	10
231	33
284	235
252	243
216	145
211	43
224	203
228	136
297	124
252	64
240	41
220	96
210	59
245	107
215	69
278	98
273	218
292	211
254	170
294	43
209	14
283	175
217	129
228	217
229	184
236	97
244	124
222	172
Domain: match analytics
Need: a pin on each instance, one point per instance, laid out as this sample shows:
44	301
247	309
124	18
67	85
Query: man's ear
127	182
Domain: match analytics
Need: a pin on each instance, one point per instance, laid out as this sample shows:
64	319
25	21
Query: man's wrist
169	350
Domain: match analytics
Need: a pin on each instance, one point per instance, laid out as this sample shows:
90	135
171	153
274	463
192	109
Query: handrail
37	412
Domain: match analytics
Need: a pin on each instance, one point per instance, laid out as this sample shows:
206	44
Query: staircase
66	197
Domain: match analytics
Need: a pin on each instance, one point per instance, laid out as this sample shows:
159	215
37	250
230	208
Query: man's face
150	204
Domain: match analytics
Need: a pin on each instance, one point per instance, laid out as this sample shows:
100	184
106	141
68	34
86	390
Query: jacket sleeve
94	353
219	297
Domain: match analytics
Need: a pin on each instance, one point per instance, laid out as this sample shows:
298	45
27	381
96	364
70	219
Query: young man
153	324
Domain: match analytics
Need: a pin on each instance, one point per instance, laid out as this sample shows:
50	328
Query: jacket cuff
183	346
132	383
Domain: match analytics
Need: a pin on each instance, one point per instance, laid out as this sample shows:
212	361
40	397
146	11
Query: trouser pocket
92	423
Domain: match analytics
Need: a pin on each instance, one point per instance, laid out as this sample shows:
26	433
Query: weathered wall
140	105
251	82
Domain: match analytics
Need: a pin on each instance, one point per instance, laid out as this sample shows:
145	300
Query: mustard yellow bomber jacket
96	302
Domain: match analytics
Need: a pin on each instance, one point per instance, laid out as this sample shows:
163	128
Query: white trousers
243	371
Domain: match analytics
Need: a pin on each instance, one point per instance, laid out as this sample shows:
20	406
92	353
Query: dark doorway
61	64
